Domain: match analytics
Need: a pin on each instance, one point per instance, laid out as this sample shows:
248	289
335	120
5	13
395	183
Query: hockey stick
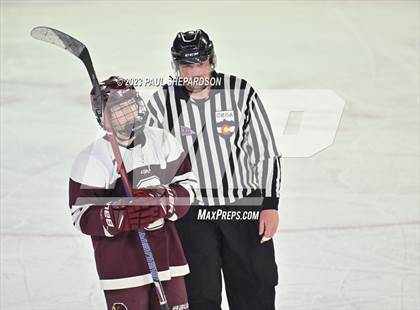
79	50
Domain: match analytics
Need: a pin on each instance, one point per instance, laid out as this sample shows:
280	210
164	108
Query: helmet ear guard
213	61
175	67
143	114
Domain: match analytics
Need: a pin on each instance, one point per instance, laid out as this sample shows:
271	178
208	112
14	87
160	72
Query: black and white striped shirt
228	137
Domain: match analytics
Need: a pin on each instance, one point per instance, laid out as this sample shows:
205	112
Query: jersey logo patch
119	306
150	181
145	170
225	123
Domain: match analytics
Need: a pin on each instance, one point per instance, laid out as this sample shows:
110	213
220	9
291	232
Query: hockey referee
220	121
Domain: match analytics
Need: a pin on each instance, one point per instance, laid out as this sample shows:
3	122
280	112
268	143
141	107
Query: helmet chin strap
127	132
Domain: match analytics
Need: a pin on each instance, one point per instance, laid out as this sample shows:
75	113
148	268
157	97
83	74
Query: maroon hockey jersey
94	180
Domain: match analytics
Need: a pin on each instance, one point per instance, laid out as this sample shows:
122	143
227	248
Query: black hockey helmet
116	90
192	46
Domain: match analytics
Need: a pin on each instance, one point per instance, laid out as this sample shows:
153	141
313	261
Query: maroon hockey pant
144	297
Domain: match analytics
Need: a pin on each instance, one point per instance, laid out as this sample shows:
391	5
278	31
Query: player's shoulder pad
89	167
164	141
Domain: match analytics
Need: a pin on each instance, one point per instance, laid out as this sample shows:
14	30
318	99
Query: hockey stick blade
59	39
70	44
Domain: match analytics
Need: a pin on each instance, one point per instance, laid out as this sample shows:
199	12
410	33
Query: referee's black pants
249	268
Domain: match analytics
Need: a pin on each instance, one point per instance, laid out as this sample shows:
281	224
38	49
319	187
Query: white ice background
349	216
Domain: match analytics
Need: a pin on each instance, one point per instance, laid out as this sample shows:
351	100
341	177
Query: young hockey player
163	189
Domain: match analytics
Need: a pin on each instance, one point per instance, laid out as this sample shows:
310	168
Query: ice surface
349	216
